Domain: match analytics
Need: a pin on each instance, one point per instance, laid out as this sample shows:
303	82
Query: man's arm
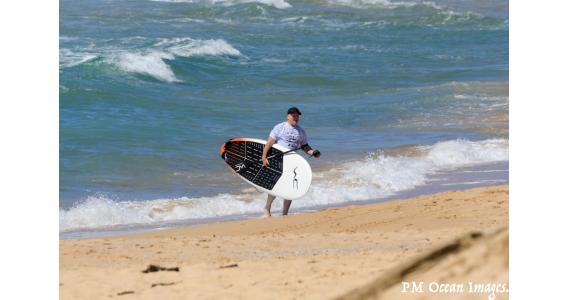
267	147
310	151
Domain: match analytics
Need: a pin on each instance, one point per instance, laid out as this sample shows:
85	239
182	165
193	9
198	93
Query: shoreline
314	255
459	179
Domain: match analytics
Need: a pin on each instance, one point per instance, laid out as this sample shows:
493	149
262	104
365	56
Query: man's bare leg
268	205
286	207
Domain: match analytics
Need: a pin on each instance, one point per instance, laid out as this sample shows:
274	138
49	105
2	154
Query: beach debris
163	284
125	293
155	268
229	266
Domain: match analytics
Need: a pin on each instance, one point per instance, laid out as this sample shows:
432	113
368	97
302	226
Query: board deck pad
243	156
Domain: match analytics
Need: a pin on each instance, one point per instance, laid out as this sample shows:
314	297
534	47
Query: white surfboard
288	176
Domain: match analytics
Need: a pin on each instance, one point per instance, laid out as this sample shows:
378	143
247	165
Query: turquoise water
150	89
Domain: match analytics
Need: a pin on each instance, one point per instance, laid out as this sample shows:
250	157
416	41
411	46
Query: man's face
293	119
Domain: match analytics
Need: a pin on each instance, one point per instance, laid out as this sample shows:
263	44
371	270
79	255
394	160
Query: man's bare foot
266	213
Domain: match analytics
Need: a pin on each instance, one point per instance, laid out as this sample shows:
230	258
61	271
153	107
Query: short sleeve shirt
288	136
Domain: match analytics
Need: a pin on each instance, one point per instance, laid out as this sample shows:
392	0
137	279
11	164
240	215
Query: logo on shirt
292	138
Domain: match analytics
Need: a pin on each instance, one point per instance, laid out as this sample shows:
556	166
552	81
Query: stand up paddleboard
288	176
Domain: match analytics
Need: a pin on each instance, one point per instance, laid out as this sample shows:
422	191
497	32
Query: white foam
101	212
374	177
151	63
188	47
68	58
497	181
298	19
381	176
486	171
382	3
280	4
96	212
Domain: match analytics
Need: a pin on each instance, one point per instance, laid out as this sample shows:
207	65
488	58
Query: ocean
401	98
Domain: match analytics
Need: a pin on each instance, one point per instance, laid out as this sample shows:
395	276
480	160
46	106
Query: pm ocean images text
491	289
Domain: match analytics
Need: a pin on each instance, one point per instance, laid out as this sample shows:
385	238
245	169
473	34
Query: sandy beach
352	252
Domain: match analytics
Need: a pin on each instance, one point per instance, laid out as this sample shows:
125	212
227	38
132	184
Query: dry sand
353	252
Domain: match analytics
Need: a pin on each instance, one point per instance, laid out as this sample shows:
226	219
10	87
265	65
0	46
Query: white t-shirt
288	136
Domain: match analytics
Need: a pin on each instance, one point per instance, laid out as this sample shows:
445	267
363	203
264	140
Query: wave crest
152	64
152	60
68	58
187	47
280	4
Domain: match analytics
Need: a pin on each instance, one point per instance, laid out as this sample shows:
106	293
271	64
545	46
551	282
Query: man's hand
265	151
316	153
265	161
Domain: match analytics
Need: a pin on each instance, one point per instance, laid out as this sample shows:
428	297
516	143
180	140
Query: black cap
293	110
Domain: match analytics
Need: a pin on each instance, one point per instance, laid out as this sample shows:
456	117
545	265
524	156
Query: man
291	136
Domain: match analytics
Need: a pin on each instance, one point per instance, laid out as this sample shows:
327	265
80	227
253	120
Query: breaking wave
152	60
379	175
